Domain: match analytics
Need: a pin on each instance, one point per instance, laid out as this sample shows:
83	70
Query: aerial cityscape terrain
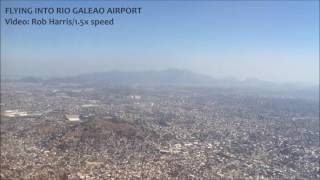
159	90
66	130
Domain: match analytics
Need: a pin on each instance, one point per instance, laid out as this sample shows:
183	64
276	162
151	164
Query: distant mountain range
165	77
175	77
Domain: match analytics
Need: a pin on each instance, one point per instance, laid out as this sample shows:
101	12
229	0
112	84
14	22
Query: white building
73	117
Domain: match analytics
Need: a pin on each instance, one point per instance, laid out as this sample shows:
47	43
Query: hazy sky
275	41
